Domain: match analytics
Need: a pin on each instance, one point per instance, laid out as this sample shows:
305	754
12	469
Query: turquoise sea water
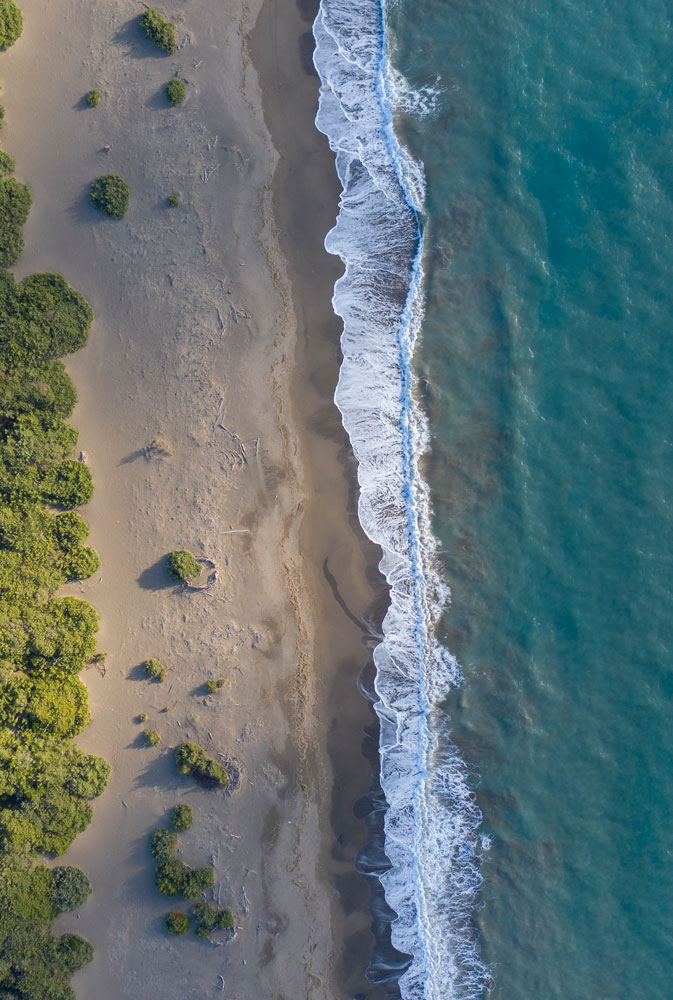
547	354
544	355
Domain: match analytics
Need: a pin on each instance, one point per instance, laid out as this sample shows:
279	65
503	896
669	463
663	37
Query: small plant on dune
11	23
162	845
182	565
2	115
152	737
177	923
173	200
159	29
7	164
209	919
176	91
110	193
142	717
192	760
214	686
182	817
93	98
155	670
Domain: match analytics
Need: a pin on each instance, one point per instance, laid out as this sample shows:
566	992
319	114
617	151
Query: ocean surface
507	227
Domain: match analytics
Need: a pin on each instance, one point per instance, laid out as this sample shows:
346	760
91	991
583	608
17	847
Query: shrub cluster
110	193
214	686
11	23
176	91
160	30
209	919
182	817
177	923
191	759
46	782
152	737
7	164
182	565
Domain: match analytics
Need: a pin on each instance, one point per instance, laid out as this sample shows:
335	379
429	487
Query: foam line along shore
431	825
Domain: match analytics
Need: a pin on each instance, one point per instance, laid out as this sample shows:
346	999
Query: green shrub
2	115
72	888
142	717
155	670
162	845
176	91
93	98
173	200
182	565
209	919
11	23
68	484
110	193
152	737
214	686
15	201
191	759
182	817
177	923
7	164
159	30
75	952
173	878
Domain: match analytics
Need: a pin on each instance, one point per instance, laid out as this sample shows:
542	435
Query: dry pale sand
210	338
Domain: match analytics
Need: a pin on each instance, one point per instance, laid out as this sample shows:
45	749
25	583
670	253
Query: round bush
71	888
173	200
182	817
11	23
182	565
162	845
155	670
93	98
74	952
110	193
68	484
177	923
176	91
7	164
152	737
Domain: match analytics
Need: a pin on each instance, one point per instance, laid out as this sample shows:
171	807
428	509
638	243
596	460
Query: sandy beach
214	336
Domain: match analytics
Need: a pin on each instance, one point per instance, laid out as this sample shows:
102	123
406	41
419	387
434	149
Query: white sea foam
431	824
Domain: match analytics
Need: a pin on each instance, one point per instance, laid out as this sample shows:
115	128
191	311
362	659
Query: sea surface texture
506	226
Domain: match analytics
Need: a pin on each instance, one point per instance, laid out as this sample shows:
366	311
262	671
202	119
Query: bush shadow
134	456
156	577
136	43
161	771
158	100
83	104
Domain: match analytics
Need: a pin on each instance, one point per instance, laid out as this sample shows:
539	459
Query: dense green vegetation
7	165
182	565
209	919
177	923
162	845
159	29
11	23
174	878
46	782
110	193
152	737
173	200
93	98
182	817
191	759
214	686
176	91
